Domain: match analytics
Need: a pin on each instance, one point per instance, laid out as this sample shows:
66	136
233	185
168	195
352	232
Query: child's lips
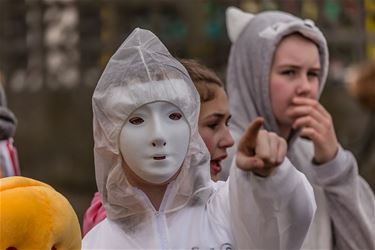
215	164
215	167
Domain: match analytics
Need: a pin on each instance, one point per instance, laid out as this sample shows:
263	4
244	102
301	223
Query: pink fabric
94	214
9	165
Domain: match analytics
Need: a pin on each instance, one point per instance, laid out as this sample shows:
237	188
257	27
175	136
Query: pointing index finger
249	139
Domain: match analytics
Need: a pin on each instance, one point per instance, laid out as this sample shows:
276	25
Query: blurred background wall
52	53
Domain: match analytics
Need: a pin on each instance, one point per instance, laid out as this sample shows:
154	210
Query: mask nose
158	135
158	142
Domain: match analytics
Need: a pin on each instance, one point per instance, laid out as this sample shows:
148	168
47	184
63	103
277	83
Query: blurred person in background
361	85
277	69
8	154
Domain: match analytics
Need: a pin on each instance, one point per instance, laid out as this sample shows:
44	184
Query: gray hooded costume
345	217
195	213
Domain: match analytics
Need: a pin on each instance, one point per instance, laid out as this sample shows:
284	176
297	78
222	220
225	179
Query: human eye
136	120
288	72
175	116
228	121
313	74
213	125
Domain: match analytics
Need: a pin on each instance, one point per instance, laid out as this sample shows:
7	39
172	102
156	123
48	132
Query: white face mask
154	141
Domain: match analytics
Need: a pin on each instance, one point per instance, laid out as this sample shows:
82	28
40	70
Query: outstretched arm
271	203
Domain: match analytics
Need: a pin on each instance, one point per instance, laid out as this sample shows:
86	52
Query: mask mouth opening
158	158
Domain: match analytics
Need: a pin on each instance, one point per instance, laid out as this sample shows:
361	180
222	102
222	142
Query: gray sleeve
351	202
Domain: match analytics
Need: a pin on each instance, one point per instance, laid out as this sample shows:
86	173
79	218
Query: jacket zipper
161	229
159	218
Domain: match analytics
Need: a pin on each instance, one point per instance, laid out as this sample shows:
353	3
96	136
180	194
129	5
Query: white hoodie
246	212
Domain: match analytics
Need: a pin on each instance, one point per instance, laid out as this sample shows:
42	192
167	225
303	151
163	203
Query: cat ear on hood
236	21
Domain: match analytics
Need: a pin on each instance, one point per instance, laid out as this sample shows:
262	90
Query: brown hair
363	84
203	78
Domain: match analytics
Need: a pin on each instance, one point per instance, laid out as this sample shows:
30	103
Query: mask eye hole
11	248
175	116
136	120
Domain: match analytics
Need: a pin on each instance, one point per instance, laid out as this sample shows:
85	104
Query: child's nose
304	87
227	139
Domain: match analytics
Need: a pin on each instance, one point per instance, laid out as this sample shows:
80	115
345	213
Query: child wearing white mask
152	167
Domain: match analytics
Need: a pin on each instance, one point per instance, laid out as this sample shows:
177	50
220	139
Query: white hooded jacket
246	212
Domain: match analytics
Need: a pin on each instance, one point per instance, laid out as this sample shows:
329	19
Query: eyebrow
316	69
219	115
296	67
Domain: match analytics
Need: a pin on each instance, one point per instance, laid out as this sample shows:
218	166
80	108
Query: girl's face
154	141
294	72
213	127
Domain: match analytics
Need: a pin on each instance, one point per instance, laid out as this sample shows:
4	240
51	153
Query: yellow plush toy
35	216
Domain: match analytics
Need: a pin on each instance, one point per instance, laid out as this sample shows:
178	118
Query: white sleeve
270	213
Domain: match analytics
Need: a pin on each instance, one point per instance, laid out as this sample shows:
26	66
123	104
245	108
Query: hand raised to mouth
316	124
